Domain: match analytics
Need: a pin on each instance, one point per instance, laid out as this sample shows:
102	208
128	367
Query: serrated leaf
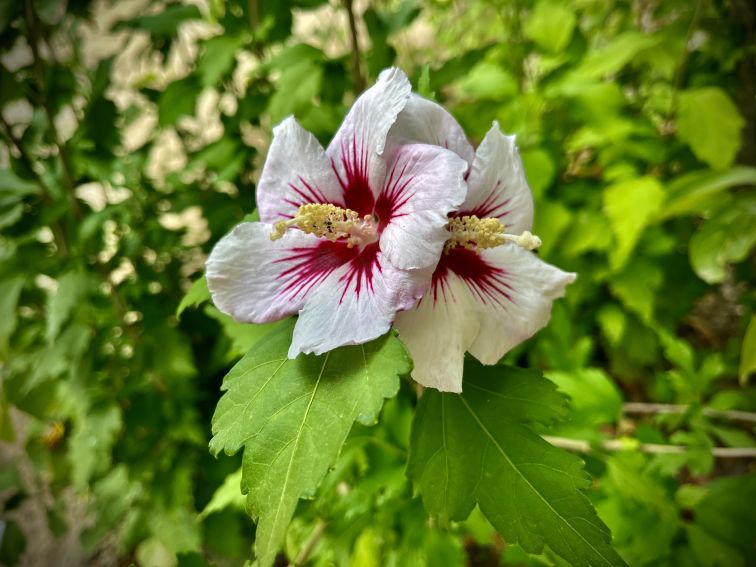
292	417
477	448
710	123
195	296
630	206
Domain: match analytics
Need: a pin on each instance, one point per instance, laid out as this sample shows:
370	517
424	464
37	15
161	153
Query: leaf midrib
529	484
287	477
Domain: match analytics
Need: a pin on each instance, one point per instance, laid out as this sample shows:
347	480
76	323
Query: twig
359	80
59	234
649	408
310	544
39	70
683	62
651	448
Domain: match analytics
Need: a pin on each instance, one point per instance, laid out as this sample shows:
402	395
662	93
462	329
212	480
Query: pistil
330	222
475	233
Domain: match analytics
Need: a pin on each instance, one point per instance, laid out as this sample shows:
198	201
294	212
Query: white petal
425	122
356	150
497	185
296	172
438	332
424	184
524	307
256	280
356	304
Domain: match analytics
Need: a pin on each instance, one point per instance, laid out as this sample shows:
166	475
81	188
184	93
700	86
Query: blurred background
131	137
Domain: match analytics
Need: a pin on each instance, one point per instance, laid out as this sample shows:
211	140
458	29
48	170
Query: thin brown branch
650	448
310	544
650	408
32	26
359	80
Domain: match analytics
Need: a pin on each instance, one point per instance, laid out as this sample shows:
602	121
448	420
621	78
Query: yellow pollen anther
330	222
475	234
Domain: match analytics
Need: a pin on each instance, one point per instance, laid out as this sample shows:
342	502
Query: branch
647	408
359	80
39	70
650	448
310	544
59	233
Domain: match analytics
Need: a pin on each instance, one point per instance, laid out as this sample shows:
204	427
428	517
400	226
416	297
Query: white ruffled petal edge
496	184
296	172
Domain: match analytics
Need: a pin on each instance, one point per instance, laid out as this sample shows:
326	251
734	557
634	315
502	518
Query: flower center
331	222
475	234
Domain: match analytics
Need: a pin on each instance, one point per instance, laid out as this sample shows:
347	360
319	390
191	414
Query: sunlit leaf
630	206
710	123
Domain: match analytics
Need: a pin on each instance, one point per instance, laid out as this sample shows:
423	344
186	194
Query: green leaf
217	57
71	287
551	25
630	206
636	287
477	448
296	89
611	57
596	400
243	336
695	191
177	100
13	186
292	417
748	352
196	296
9	292
725	238
709	122
227	495
487	81
726	514
163	24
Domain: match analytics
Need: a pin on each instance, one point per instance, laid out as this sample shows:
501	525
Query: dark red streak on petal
306	192
490	207
395	194
311	265
354	182
359	276
488	283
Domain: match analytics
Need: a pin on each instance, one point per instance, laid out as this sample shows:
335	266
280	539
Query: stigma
476	234
332	223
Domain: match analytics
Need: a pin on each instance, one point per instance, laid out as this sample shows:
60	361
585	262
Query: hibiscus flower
347	236
489	291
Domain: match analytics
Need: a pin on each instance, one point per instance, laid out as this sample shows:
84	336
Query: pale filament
476	234
330	222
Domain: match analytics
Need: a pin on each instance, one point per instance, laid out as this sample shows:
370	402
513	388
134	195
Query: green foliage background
132	136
